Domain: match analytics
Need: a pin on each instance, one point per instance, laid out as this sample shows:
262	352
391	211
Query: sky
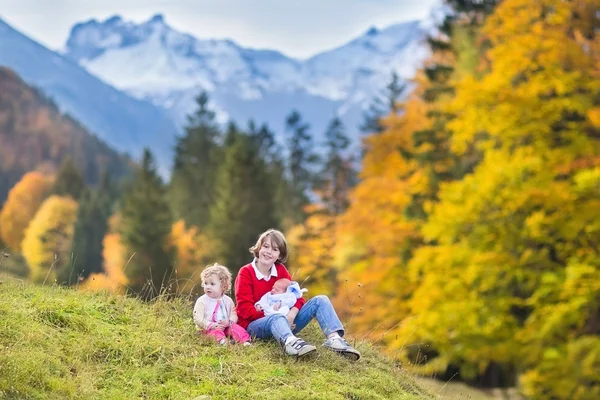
297	28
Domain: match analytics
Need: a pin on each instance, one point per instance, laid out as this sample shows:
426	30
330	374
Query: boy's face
212	287
268	253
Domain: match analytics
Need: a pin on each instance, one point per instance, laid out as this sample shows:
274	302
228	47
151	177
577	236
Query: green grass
58	343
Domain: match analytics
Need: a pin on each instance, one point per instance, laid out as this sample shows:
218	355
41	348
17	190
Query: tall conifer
244	203
337	175
302	161
95	207
145	228
69	180
197	156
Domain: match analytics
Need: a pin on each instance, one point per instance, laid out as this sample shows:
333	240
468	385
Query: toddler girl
214	311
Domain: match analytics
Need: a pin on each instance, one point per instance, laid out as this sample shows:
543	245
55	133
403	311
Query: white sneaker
298	347
340	346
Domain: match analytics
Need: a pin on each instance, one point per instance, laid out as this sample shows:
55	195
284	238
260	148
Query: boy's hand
291	316
290	319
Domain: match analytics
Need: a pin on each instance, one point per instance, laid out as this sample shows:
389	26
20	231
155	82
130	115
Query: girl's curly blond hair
221	272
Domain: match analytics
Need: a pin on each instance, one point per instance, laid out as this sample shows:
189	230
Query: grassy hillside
58	343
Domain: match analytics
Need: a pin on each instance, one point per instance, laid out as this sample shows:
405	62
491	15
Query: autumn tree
115	257
403	168
197	157
192	252
311	251
508	282
22	203
374	236
47	242
145	229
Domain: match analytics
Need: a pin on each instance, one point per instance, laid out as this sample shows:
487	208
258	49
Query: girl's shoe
340	346
247	343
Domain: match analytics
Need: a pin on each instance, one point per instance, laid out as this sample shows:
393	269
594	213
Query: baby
281	298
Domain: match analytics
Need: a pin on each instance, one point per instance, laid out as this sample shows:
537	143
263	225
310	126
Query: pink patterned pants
238	333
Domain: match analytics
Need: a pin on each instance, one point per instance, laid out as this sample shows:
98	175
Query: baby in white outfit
281	298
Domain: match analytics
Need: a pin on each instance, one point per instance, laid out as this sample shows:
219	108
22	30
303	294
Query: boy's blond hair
278	240
221	272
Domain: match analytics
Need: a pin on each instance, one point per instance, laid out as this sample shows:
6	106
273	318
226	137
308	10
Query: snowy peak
359	68
90	39
153	61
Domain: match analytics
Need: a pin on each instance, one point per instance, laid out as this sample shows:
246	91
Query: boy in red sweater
257	278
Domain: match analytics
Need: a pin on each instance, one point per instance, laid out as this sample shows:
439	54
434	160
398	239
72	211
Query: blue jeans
277	326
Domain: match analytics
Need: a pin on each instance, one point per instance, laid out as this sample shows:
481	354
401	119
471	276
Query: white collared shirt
259	275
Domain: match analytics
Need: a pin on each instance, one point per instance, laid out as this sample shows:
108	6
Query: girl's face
268	253
212	287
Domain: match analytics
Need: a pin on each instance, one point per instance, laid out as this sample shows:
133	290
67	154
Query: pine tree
244	204
197	156
145	229
271	152
69	180
337	176
388	102
95	207
302	161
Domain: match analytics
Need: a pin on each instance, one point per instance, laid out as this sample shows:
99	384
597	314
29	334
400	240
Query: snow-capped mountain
153	61
126	123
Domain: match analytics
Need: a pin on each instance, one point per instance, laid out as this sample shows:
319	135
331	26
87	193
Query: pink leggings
238	333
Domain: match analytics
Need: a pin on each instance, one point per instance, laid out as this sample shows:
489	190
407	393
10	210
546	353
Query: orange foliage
23	201
113	279
192	250
375	235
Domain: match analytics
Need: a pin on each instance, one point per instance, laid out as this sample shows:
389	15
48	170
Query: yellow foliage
192	250
512	270
22	203
48	238
311	246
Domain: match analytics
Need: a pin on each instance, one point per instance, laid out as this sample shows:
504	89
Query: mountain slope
35	135
126	123
64	343
153	61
